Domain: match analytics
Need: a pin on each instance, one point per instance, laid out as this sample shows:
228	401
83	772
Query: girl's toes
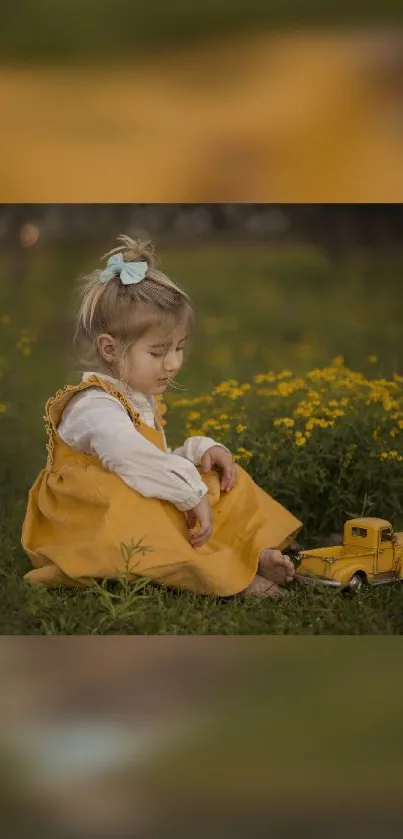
290	567
276	567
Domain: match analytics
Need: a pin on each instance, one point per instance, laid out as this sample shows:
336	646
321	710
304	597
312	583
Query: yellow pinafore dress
84	522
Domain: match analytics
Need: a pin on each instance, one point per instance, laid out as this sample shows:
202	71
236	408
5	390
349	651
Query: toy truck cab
370	553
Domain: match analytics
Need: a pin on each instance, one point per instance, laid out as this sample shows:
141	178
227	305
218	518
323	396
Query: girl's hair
126	312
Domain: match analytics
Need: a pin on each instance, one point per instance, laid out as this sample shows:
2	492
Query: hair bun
137	249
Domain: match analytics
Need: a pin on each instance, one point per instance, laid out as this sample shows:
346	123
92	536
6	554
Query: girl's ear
107	347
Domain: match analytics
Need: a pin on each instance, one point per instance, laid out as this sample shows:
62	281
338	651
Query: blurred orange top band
311	116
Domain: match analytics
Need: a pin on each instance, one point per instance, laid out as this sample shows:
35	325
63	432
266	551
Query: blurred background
217	101
188	736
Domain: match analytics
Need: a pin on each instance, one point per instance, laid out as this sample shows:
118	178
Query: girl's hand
203	514
216	457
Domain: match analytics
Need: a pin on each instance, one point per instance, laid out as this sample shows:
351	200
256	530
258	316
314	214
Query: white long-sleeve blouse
96	423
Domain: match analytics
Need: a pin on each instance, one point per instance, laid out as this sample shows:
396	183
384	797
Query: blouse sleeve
97	423
194	448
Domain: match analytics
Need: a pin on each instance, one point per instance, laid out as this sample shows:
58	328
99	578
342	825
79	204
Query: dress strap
56	404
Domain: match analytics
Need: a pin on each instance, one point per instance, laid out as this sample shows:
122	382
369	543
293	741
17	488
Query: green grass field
258	310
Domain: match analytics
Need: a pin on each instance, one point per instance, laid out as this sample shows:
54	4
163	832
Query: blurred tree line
80	30
335	228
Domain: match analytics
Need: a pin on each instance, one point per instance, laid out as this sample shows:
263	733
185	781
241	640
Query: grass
259	310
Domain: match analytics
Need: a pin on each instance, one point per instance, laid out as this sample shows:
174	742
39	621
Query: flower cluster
326	399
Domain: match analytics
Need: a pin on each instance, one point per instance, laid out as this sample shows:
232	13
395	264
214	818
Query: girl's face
153	360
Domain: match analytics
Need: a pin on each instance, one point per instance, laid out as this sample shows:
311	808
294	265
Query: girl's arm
194	448
98	424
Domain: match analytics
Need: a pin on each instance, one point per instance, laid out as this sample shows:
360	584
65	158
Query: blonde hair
126	312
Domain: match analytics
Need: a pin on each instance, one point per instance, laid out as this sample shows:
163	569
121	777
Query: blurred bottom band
355	821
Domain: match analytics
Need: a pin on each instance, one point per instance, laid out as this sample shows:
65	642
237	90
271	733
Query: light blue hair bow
129	272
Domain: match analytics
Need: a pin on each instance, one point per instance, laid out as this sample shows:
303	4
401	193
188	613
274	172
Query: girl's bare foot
276	567
261	588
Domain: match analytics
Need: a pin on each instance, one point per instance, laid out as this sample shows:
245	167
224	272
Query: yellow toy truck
370	553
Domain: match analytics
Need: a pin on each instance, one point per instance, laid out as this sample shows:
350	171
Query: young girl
114	499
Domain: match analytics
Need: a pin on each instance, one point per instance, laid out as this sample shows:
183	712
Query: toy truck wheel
356	583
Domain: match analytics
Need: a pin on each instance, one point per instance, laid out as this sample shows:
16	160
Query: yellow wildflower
372	359
244	452
199	400
194	415
224	387
284	389
314	374
2	408
386	383
335	413
317	422
240	428
259	378
303	410
391	455
300	439
210	423
287	421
